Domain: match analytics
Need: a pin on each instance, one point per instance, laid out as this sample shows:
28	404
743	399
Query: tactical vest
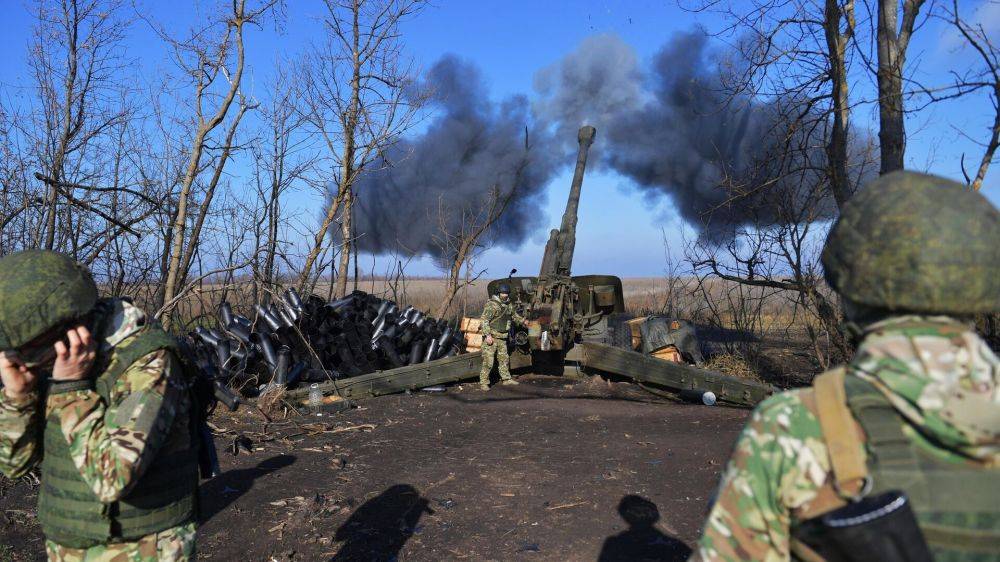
957	505
71	514
501	322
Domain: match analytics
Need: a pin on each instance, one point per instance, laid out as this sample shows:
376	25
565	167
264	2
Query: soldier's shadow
220	492
642	540
378	529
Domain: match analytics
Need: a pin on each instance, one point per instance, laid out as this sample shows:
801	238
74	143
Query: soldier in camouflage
496	322
100	409
913	257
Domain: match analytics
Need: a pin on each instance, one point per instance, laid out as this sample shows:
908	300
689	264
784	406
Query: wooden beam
411	377
673	376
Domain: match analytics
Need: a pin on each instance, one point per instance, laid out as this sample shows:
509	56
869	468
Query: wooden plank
674	376
411	377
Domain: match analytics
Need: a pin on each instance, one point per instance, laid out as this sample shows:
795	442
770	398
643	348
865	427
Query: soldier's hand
17	379
75	356
489	340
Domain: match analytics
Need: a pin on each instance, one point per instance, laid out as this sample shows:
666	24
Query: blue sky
620	229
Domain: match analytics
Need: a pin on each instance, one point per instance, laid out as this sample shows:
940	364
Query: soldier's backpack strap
847	452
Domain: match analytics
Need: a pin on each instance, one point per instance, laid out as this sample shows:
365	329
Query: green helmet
912	242
39	290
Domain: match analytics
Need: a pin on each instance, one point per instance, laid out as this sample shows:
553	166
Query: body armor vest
164	497
957	504
501	322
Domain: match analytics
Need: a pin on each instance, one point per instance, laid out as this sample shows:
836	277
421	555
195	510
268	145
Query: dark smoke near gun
471	147
725	160
676	130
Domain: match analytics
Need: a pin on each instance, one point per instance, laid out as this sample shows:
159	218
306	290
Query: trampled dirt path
546	470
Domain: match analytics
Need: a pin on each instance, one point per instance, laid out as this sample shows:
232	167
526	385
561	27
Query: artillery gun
562	309
575	319
582	319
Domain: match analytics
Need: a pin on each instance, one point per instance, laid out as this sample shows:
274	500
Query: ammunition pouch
881	527
926	507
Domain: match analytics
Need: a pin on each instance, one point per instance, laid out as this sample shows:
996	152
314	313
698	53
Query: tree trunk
450	289
175	271
59	158
836	149
346	234
891	59
317	248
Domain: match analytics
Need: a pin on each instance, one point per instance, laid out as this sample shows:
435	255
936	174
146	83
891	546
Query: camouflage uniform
495	313
170	545
941	377
111	444
905	250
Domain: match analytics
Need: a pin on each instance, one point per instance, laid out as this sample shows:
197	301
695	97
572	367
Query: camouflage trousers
173	545
495	352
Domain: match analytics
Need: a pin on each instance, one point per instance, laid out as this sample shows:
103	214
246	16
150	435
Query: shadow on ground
381	526
642	540
218	493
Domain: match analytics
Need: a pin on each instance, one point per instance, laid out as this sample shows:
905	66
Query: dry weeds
734	365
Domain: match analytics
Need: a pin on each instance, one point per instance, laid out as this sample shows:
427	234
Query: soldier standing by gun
895	456
93	393
496	322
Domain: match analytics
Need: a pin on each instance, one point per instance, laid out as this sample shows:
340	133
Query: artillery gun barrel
558	258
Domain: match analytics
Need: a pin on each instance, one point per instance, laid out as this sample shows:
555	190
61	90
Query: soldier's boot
509	382
484	386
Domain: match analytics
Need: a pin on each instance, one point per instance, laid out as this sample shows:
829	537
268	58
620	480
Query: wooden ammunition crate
635	326
473	338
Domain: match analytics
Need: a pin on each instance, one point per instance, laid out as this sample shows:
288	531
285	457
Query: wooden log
410	377
673	376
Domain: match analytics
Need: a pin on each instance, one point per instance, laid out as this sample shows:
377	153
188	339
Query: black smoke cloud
723	161
472	145
673	128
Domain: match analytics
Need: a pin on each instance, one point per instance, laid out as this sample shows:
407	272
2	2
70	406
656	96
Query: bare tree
206	63
358	99
74	60
279	163
892	40
986	77
462	235
838	27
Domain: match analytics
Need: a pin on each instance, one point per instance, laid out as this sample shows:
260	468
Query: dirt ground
552	469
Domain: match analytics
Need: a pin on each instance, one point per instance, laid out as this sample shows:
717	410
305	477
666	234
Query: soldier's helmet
41	290
503	288
911	242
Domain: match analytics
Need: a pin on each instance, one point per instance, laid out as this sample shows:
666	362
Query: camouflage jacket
780	466
495	308
111	443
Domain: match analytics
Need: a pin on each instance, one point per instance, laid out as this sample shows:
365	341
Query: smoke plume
676	131
471	147
675	128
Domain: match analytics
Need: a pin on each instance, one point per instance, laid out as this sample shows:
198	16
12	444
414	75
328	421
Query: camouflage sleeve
778	465
20	433
111	444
